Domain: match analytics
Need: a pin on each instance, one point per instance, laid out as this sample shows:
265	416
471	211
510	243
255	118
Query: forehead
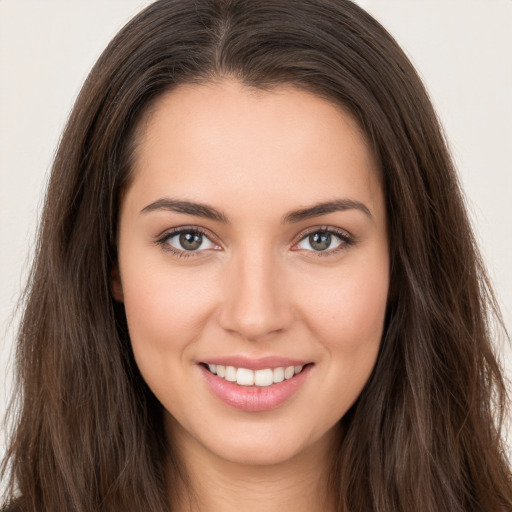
223	140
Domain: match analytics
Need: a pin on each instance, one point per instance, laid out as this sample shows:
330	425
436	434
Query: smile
263	388
262	378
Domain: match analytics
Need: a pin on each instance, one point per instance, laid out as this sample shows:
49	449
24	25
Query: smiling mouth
260	378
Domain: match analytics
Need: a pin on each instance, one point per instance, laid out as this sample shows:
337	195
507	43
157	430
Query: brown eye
188	240
320	241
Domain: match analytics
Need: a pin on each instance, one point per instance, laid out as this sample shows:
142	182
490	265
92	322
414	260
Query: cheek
351	329
347	317
165	310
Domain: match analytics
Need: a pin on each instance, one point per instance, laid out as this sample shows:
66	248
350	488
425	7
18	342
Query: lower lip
254	398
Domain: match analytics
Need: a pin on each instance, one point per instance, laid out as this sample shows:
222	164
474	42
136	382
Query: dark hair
425	433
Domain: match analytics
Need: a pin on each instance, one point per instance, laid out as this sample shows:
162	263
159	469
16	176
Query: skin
256	287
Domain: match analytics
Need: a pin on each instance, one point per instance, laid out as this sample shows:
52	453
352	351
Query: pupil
191	241
320	241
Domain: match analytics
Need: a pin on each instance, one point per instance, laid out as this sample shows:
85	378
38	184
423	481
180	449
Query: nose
255	302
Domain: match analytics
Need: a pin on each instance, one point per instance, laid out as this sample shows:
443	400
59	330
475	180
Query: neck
214	484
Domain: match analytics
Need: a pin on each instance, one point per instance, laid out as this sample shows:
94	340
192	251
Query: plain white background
462	49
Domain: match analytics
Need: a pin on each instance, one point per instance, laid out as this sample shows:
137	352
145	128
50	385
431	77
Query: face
253	266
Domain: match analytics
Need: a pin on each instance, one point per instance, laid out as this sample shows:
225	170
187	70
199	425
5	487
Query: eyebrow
188	207
208	212
338	205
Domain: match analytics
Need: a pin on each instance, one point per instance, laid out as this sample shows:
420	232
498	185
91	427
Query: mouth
266	387
260	378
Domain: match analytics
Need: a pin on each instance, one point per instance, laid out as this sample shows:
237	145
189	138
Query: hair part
424	435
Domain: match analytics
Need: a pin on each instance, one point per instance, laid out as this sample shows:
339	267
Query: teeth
261	378
289	372
278	375
230	373
244	377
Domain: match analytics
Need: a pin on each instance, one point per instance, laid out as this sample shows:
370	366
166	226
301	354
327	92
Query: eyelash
163	241
346	241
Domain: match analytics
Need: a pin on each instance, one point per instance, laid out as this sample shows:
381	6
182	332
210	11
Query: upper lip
252	363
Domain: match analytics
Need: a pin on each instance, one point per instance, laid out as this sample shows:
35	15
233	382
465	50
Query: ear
116	285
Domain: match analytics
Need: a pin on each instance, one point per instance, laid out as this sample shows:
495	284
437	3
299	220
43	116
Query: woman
256	284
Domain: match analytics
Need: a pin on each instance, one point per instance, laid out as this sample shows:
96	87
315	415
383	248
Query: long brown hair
425	434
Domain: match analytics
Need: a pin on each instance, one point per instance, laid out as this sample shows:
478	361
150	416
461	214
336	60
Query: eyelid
346	238
162	240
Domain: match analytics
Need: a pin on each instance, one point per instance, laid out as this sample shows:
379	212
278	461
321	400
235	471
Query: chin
270	447
259	454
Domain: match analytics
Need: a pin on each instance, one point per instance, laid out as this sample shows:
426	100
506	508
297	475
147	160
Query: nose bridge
255	302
